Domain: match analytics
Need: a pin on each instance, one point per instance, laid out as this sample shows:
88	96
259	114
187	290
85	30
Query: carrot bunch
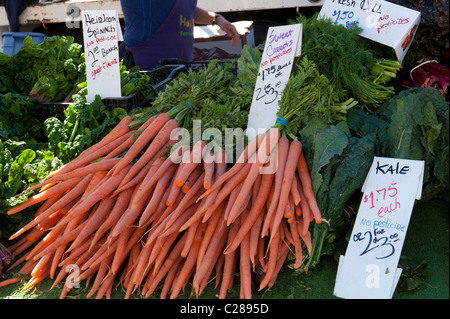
167	220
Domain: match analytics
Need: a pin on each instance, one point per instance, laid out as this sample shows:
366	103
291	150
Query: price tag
101	32
381	21
369	268
282	44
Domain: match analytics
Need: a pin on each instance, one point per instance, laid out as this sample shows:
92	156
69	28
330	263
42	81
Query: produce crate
168	69
195	65
50	109
126	102
56	109
13	41
161	76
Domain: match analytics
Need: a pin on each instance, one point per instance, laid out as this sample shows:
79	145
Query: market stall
161	192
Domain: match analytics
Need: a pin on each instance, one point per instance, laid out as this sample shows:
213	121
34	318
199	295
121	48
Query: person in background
156	30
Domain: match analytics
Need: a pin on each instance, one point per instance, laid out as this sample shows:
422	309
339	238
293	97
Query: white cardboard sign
369	268
381	21
101	33
282	44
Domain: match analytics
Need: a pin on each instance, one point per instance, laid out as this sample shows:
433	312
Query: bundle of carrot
165	219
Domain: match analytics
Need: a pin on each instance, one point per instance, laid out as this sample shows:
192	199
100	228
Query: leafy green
419	130
218	95
19	118
133	81
47	71
308	95
414	124
84	124
346	59
20	167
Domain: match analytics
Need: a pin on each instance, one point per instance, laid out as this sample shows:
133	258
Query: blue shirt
142	18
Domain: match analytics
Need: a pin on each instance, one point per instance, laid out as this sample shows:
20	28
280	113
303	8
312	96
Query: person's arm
202	16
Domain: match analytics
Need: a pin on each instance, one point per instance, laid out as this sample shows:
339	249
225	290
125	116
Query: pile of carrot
128	212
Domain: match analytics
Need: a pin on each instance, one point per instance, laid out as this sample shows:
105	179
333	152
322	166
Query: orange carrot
146	136
98	193
279	263
119	208
208	166
232	198
157	145
283	149
82	171
134	209
168	264
214	246
81	161
192	179
97	178
130	140
209	232
288	175
100	276
250	182
294	190
273	250
244	157
75	192
94	221
245	271
162	185
176	224
34	281
229	261
187	198
297	243
187	167
10	281
212	254
255	235
306	211
189	264
305	178
171	275
223	192
55	190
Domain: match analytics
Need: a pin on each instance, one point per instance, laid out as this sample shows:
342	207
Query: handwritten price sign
369	268
101	32
283	43
381	21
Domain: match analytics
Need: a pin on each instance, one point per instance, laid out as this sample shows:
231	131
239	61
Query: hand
229	29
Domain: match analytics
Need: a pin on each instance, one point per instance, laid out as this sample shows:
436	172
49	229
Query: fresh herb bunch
189	92
344	57
309	94
218	95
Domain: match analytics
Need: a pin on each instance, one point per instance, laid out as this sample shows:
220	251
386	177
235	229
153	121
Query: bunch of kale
414	125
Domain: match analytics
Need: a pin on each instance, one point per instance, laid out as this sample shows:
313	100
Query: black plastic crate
49	109
168	69
162	76
128	103
196	65
56	109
